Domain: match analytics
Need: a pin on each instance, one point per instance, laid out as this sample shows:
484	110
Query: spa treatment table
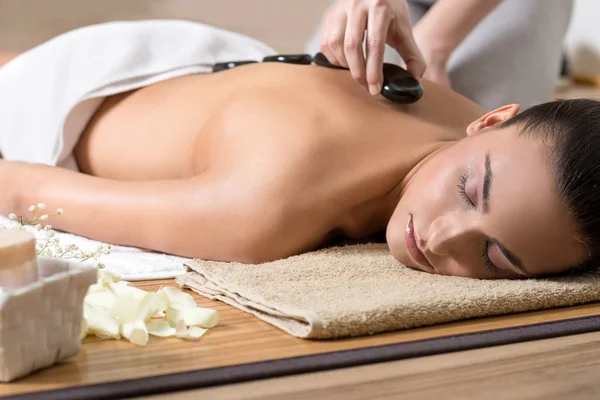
254	354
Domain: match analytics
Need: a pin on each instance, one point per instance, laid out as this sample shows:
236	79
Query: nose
451	231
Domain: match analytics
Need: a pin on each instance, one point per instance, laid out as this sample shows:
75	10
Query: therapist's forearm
447	24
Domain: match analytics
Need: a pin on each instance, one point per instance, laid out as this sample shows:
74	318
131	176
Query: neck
404	181
373	214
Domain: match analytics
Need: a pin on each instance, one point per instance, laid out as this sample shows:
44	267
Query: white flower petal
193	316
174	296
105	277
103	299
96	288
100	322
160	327
115	308
151	305
136	332
192	333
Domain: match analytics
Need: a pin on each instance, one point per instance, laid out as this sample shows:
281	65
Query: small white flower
31	208
41	206
46	253
38	227
60	211
12	216
47	227
44	217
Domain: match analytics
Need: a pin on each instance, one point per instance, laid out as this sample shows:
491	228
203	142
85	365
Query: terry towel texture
361	289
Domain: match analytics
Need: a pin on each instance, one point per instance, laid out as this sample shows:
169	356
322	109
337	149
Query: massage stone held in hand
399	85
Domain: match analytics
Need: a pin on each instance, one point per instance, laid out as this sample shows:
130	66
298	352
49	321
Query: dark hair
571	130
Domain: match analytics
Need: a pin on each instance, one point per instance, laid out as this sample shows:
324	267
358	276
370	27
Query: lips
411	244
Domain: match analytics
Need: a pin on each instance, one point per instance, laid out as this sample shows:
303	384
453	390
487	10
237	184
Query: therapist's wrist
435	48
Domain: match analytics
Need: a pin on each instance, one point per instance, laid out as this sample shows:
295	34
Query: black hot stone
399	85
230	64
322	61
302	59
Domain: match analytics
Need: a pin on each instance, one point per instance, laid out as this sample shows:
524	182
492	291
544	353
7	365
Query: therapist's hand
385	21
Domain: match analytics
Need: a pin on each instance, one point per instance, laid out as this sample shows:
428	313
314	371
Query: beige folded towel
361	289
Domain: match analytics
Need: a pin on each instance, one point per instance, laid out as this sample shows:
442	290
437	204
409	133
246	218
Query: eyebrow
487	182
487	186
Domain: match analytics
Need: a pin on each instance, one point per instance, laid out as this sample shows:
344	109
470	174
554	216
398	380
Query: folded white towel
129	263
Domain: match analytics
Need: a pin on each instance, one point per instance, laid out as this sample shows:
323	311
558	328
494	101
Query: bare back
170	129
307	150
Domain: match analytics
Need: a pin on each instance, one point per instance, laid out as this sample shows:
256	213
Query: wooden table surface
566	368
242	338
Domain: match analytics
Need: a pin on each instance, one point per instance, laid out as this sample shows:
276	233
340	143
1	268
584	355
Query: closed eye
489	264
462	190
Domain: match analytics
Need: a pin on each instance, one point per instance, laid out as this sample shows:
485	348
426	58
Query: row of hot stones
399	85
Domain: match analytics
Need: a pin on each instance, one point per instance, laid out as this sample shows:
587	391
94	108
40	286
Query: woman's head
520	196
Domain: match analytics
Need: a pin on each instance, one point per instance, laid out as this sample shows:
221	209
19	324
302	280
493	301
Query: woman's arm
202	217
445	26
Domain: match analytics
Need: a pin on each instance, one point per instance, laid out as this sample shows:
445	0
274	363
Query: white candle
18	264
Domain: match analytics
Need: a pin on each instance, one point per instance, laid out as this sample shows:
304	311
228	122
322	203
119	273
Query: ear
493	118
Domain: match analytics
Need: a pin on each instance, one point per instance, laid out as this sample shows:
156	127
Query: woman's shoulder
441	105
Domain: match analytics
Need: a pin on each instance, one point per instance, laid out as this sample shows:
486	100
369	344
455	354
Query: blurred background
284	24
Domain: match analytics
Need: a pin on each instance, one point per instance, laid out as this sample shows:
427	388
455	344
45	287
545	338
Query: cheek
435	191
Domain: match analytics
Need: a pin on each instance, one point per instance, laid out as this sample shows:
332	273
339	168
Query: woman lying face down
237	166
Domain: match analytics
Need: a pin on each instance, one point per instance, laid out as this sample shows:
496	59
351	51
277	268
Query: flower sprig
48	245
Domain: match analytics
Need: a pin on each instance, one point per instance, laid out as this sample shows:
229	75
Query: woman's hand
385	21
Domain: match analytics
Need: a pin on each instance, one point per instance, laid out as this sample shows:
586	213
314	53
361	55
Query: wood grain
239	338
553	369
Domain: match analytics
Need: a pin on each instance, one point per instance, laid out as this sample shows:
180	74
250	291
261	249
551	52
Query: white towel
130	263
49	93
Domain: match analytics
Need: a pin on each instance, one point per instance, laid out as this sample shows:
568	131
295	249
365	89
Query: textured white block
40	323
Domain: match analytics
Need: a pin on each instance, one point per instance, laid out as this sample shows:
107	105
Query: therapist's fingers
353	45
332	39
377	31
401	38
